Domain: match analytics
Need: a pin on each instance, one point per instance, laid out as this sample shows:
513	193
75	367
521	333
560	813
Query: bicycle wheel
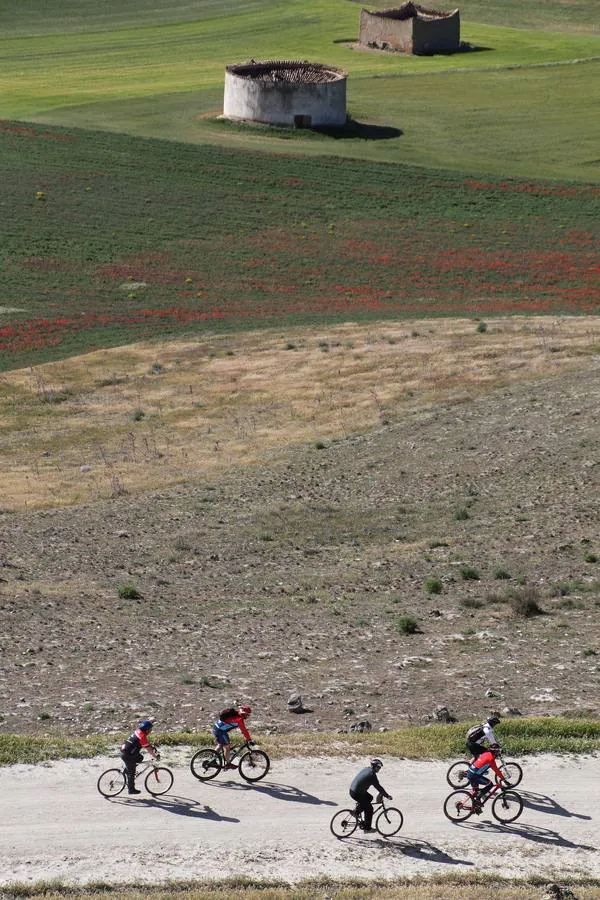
111	782
159	781
456	776
458	806
206	763
254	765
513	773
344	823
507	807
389	821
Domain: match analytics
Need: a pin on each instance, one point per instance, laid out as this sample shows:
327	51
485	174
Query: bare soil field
307	503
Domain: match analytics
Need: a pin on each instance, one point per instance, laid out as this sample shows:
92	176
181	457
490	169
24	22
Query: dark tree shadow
542	803
278	791
181	806
363	130
529	833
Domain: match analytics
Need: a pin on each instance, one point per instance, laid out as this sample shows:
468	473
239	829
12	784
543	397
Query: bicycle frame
496	788
236	750
144	767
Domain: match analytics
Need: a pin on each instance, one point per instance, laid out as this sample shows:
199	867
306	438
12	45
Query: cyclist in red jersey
475	773
235	717
131	751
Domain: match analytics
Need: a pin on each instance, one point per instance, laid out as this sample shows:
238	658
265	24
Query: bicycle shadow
530	833
543	803
417	849
423	850
278	791
181	806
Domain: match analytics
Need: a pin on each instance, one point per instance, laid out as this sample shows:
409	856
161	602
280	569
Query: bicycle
158	779
388	821
253	764
456	776
506	807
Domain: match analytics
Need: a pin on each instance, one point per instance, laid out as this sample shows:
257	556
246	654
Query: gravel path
56	825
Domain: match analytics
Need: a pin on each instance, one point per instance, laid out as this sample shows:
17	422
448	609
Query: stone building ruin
411	29
285	92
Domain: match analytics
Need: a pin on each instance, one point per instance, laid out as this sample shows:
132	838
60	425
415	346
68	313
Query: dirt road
55	824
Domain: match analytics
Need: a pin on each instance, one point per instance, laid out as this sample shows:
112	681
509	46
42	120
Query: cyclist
359	791
233	717
475	773
480	733
131	751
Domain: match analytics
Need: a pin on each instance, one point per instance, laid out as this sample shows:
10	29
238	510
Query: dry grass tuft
151	414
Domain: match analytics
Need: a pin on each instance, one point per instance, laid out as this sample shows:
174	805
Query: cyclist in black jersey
359	791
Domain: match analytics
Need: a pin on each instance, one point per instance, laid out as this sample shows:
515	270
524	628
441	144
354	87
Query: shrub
128	591
137	415
433	585
461	514
471	602
591	557
407	625
524	602
469	573
482	327
501	574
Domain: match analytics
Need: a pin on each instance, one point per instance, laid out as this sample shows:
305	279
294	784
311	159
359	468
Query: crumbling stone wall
411	29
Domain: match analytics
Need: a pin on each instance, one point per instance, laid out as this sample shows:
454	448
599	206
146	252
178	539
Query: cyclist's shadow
181	806
530	833
278	791
542	803
419	849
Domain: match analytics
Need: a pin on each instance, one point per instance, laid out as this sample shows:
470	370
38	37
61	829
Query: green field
518	105
116	170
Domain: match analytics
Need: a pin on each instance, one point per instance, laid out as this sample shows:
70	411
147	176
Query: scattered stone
414	661
361	726
511	711
558	892
85	468
443	714
490	693
295	704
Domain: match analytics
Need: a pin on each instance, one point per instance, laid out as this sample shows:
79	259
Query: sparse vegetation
446	887
128	591
407	625
469	573
525	601
433	585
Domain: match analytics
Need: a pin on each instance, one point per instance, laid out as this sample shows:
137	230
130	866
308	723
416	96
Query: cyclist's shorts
221	736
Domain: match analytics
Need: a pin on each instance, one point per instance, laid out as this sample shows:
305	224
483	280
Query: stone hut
411	29
285	92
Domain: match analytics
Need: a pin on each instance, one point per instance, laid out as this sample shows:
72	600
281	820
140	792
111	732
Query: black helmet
376	764
493	720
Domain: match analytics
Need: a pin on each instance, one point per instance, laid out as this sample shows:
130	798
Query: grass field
521	737
412	211
111	238
157	71
447	887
